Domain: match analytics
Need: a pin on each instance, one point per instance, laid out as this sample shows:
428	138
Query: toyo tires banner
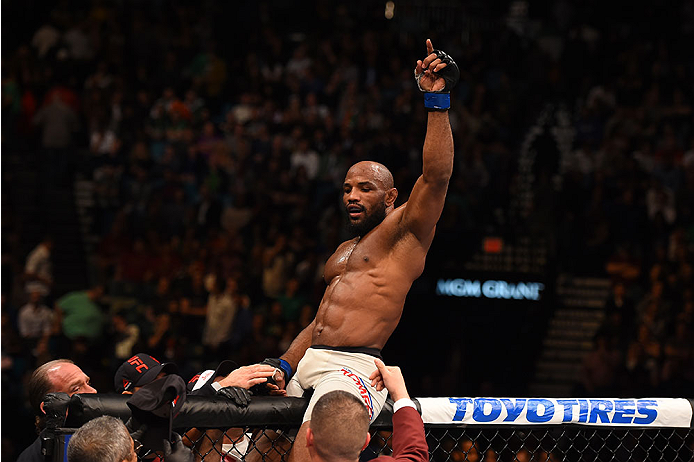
645	412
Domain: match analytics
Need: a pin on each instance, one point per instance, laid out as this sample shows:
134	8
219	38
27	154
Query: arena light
492	244
390	10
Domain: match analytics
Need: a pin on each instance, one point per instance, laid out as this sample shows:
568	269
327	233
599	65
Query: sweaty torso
368	279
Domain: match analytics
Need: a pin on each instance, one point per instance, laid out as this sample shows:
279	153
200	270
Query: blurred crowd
217	136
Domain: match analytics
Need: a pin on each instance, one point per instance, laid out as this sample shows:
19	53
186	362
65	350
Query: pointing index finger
430	47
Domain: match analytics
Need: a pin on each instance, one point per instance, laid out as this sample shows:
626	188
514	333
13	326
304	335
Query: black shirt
33	452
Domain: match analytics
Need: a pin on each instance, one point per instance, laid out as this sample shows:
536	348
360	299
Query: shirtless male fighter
369	276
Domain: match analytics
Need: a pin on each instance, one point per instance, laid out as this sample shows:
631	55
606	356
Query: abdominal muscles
358	310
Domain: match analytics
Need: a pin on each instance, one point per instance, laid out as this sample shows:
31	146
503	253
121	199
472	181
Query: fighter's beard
370	221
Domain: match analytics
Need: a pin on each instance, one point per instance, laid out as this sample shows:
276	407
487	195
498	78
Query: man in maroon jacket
339	426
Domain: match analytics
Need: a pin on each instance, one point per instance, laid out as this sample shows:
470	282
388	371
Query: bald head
374	170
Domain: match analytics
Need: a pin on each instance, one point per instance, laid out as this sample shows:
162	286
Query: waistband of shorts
349	349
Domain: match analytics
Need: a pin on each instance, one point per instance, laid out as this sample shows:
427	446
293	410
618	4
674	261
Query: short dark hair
38	386
104	439
339	422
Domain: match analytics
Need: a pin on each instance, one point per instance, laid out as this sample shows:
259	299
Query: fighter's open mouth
354	211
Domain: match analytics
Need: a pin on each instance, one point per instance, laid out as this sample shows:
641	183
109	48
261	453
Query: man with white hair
106	439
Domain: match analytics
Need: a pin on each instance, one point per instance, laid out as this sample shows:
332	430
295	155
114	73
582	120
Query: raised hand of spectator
389	377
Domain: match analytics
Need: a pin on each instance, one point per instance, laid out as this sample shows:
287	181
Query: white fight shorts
325	369
235	451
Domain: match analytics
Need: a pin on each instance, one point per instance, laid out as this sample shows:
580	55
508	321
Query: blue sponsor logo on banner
544	410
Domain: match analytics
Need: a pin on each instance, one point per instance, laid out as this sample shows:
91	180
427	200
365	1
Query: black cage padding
205	412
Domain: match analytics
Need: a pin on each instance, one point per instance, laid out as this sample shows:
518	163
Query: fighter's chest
352	255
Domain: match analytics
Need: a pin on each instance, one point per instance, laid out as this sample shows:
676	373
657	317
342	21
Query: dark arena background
163	157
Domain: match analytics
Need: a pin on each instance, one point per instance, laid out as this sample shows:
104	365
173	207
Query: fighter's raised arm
435	76
369	275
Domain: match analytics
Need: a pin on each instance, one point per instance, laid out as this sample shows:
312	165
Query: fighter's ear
391	195
368	439
310	440
41	407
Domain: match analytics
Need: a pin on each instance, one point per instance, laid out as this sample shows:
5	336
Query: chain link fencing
476	444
